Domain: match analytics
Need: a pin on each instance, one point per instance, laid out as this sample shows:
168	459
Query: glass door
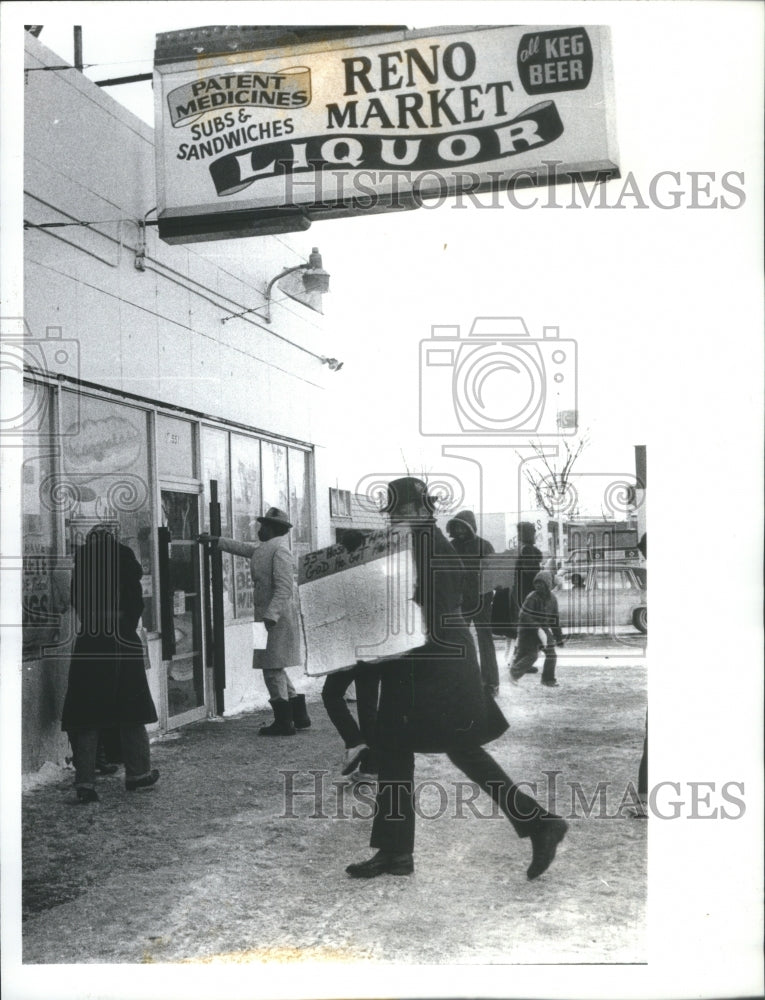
183	650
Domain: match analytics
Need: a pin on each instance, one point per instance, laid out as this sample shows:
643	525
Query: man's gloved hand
205	539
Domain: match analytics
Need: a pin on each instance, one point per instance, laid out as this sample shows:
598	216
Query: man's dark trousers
394	820
367	680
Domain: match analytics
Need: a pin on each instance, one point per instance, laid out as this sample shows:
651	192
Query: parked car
602	595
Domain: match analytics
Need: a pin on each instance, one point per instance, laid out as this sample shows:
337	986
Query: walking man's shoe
352	758
551	684
383	863
133	784
544	843
85	795
364	778
516	673
639	810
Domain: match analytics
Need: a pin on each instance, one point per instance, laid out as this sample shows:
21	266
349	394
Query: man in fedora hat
432	700
476	607
275	604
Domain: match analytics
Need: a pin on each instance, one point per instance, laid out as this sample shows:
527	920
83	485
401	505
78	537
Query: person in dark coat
107	686
476	607
529	561
539	615
432	700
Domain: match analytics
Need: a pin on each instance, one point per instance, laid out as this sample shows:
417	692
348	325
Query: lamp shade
315	278
307	284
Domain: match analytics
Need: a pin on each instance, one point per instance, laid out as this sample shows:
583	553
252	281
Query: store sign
328	129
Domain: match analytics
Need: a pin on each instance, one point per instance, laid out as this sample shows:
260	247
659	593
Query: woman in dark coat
107	678
432	700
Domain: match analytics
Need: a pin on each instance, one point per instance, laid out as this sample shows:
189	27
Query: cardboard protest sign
358	605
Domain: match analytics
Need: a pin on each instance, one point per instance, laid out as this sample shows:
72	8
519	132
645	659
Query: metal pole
118	80
216	573
207	577
166	619
78	47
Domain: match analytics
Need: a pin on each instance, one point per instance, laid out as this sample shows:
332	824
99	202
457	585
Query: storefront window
46	575
300	501
245	502
215	465
94	469
105	474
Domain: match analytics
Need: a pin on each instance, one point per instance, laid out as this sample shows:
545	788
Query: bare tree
552	486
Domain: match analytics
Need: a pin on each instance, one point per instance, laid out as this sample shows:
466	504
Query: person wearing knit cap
476	607
538	614
432	700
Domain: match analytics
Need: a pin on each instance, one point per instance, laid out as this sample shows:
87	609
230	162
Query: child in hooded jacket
538	613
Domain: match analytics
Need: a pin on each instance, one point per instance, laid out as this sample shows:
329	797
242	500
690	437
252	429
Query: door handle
166	617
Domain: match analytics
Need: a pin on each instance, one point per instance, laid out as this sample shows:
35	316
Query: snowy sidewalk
238	854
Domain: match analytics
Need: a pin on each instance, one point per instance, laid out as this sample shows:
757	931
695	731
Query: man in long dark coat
432	700
107	686
476	607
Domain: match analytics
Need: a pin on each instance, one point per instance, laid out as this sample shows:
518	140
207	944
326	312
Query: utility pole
78	64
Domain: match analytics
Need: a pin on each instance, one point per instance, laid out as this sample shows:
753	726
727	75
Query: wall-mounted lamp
315	279
332	363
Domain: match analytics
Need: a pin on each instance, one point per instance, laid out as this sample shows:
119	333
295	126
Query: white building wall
154	332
